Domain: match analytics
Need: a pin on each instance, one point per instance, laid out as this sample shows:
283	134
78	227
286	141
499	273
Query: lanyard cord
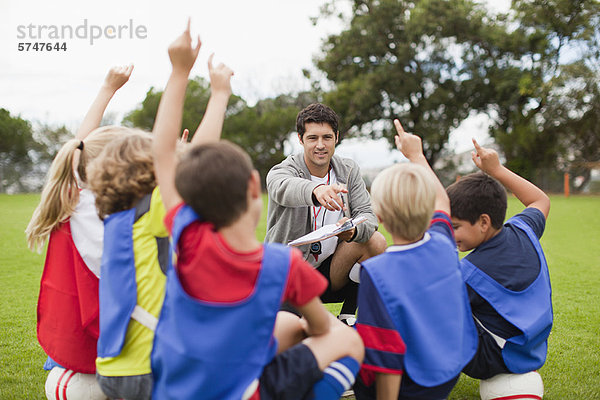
317	212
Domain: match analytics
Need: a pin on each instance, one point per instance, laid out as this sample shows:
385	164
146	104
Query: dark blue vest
207	350
530	310
425	296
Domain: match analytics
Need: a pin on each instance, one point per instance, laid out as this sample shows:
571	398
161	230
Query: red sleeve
304	282
171	216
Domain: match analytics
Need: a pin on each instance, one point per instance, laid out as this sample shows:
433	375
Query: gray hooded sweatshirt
290	198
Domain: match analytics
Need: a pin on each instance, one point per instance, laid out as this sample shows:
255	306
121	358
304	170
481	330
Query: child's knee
357	346
351	341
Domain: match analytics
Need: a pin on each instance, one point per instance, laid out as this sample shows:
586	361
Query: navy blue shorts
290	375
487	361
409	390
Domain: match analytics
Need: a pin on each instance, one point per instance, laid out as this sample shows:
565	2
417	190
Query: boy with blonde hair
413	312
220	335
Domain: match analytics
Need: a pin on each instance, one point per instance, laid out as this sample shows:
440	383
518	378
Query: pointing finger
477	146
399	127
189	22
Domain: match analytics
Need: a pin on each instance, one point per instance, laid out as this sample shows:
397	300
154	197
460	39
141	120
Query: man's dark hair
213	179
477	194
317	113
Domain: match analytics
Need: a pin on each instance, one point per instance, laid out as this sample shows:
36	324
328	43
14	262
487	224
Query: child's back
234	305
414	315
220	335
132	280
67	323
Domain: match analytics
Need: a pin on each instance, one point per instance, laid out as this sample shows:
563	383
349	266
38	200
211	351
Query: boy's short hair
404	199
317	113
123	173
477	194
213	179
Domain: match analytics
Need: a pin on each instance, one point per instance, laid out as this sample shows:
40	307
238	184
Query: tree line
535	70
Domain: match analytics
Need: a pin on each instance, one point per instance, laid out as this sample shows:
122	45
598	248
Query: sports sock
337	378
354	274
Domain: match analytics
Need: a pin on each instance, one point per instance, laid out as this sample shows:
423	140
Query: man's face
467	235
319	142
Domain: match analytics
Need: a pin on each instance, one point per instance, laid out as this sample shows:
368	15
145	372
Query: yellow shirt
135	355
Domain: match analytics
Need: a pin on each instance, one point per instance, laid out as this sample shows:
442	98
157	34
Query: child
219	329
506	273
135	256
67	325
413	312
131	283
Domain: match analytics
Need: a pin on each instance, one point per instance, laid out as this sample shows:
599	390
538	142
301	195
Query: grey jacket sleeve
360	204
287	188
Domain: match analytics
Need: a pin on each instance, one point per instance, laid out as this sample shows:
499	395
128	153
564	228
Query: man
305	193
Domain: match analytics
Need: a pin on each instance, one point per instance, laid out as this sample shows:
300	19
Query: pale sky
266	42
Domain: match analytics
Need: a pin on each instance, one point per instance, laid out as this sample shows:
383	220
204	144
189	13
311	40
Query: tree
525	63
403	59
433	62
16	139
196	99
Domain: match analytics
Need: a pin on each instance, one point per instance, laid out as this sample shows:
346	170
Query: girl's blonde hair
404	199
60	194
122	174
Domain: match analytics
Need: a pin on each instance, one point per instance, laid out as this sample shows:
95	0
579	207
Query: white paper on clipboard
327	231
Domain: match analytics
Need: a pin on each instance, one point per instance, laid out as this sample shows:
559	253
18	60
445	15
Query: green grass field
571	243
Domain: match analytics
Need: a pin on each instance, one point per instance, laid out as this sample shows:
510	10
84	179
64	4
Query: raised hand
328	196
181	52
220	77
412	148
486	159
410	145
117	77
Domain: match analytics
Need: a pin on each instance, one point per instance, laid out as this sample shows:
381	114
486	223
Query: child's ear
254	185
485	222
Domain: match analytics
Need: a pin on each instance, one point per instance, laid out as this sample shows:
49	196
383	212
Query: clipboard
327	231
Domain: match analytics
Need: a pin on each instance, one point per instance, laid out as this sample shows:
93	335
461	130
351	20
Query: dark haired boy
305	193
220	335
506	273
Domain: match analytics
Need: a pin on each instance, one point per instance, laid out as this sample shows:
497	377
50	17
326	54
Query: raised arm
530	195
412	148
211	126
116	77
168	118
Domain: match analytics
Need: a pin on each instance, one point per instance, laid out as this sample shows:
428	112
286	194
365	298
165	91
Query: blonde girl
67	325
